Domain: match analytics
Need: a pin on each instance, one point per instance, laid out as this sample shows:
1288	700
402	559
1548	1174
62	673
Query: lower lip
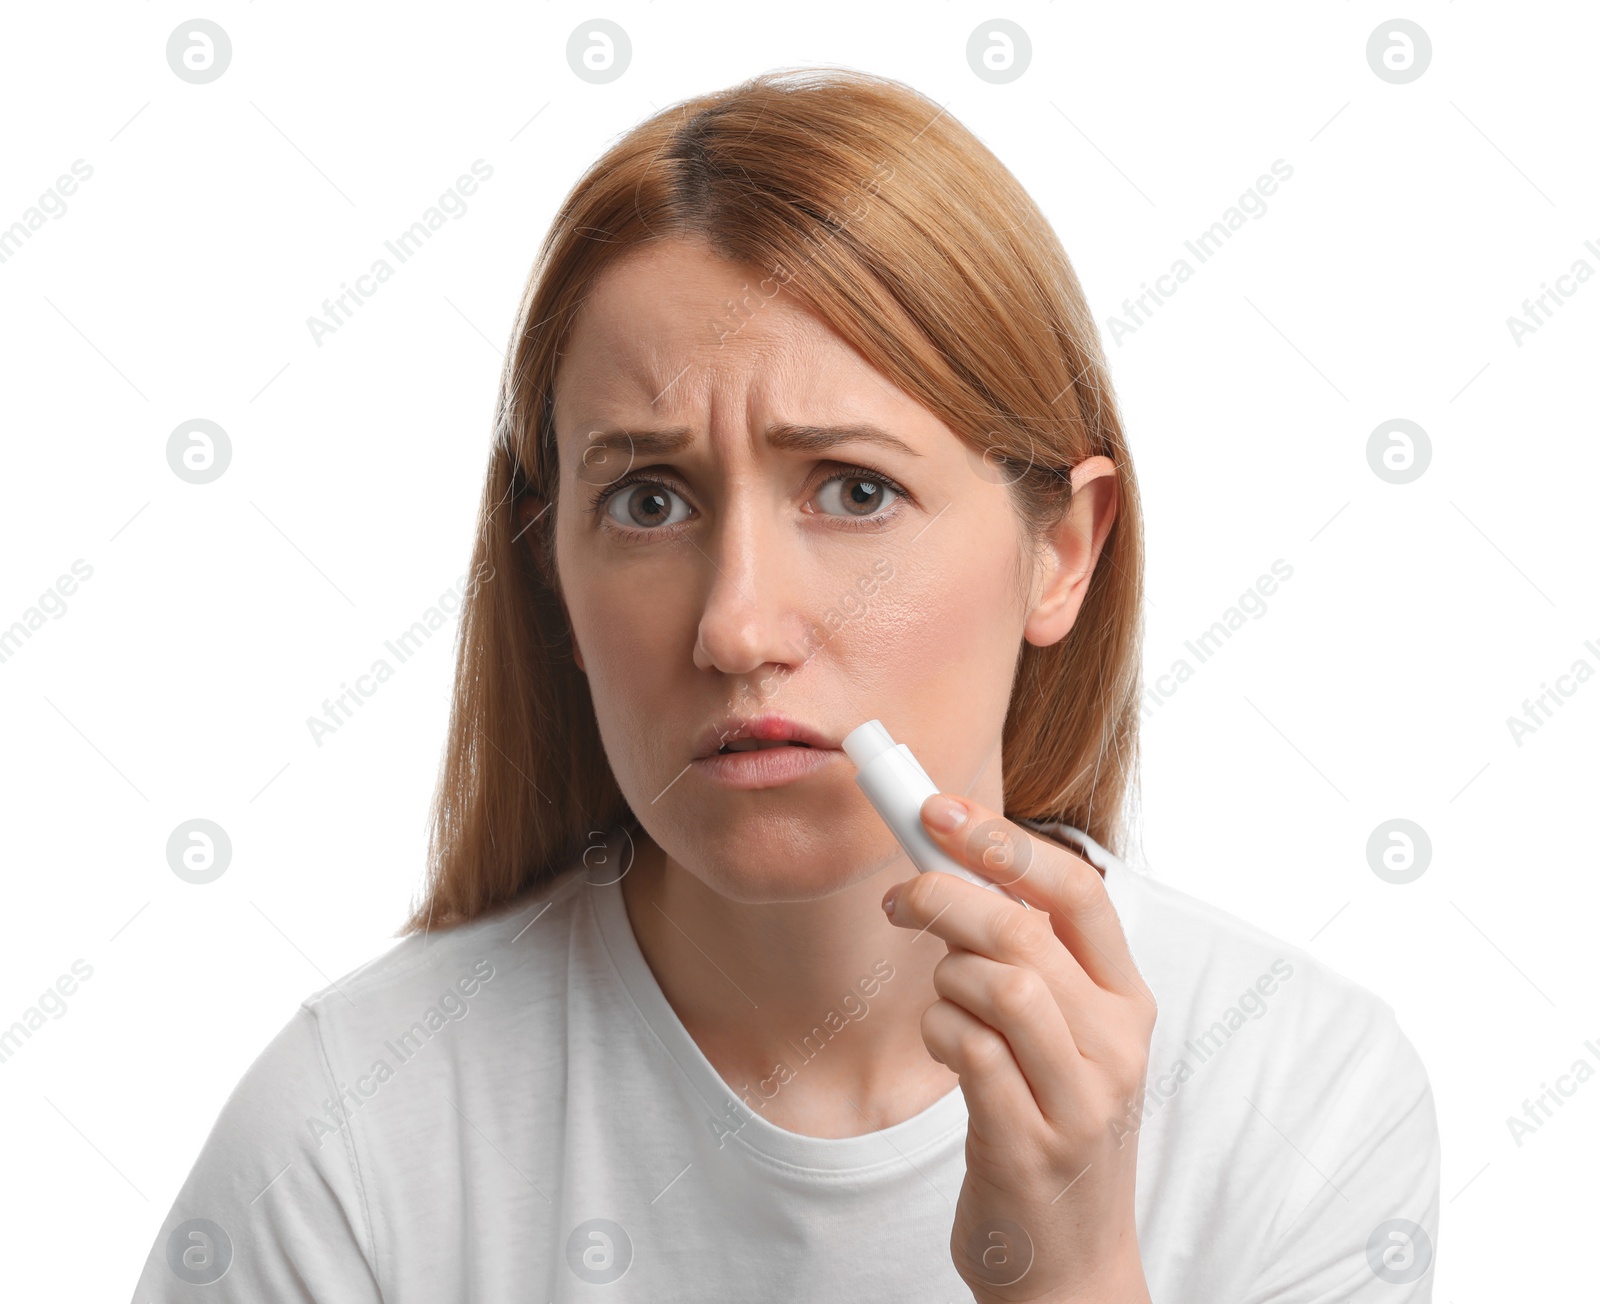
766	767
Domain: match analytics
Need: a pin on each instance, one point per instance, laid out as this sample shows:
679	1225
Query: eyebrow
785	438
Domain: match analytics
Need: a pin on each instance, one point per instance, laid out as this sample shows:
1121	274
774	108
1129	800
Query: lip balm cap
866	742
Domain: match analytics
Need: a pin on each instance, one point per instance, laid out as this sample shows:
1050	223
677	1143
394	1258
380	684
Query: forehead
672	327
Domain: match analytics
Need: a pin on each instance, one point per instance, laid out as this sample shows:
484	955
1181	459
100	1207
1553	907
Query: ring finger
1019	1005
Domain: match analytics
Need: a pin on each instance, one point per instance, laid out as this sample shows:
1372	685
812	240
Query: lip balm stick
897	785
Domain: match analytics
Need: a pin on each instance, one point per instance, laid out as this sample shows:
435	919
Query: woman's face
779	561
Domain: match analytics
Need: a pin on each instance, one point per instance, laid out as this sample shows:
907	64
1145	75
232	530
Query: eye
857	494
644	504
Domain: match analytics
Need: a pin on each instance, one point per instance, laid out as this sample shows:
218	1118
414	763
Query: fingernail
888	899
944	813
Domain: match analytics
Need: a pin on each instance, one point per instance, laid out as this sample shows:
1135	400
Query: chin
761	849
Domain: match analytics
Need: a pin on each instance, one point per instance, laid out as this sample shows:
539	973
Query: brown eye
857	495
645	505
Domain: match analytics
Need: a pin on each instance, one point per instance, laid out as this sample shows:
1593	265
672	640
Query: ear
1073	549
531	533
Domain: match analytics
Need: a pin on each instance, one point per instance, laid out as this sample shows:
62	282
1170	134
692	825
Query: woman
806	423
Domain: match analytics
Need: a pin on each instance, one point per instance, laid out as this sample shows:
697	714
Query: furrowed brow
650	442
818	439
785	438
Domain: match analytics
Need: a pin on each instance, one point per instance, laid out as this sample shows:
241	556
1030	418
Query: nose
751	617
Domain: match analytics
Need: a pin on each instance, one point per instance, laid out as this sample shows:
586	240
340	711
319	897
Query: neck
810	1010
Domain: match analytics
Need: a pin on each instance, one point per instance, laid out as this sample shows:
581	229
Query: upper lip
768	728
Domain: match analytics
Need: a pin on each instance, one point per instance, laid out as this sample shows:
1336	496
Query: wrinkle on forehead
645	353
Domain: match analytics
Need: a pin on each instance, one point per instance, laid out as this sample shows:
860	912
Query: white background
1377	685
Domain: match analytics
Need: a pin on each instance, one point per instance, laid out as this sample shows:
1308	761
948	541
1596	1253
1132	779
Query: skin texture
757	909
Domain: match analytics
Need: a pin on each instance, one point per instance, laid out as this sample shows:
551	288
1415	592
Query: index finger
1049	876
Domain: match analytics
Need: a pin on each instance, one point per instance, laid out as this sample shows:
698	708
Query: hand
1047	1021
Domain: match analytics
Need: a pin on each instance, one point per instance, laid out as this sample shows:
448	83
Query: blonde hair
914	243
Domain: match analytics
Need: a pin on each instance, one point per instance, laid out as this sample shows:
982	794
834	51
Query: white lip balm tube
897	785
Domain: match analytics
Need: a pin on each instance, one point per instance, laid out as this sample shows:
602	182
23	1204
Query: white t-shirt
525	1118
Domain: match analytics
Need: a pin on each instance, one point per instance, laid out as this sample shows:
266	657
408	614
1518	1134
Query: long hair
914	243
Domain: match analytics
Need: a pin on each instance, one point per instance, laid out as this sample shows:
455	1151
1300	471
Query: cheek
632	645
629	628
627	624
947	613
937	655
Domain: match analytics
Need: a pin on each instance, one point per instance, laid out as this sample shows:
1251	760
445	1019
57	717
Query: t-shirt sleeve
273	1209
1360	1220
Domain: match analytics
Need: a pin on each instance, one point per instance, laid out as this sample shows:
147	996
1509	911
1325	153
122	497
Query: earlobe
1073	550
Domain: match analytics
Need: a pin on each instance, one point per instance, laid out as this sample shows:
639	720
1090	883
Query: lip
766	767
765	728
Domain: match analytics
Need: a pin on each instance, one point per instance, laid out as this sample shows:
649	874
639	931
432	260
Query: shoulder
1207	965
1284	1090
282	1193
1287	1036
406	994
466	981
414	965
295	1095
